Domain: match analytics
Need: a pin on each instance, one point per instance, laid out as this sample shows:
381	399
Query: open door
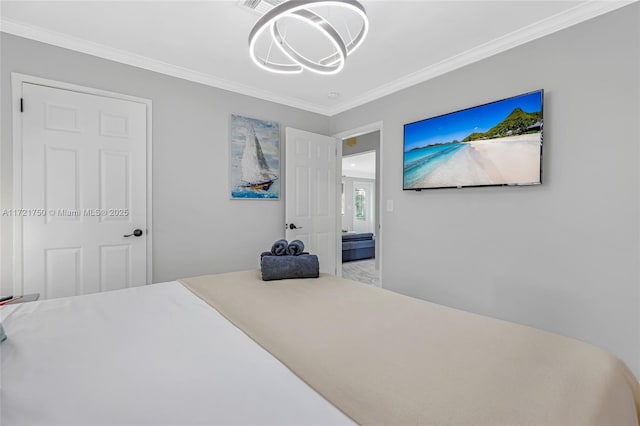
310	211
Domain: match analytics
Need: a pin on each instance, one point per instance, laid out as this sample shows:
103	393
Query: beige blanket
384	358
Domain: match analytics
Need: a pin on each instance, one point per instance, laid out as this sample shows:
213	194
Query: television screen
499	143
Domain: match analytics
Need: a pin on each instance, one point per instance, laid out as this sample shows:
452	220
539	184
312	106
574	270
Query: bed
232	349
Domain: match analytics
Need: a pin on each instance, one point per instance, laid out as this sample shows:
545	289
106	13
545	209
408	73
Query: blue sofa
358	246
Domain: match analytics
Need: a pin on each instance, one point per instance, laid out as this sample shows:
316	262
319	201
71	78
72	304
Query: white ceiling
360	165
206	41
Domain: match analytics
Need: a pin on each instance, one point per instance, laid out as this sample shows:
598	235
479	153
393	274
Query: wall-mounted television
498	143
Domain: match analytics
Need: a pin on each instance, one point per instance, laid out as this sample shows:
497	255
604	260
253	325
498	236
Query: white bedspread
153	355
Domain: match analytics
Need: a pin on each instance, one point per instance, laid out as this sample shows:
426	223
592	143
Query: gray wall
562	256
197	228
364	143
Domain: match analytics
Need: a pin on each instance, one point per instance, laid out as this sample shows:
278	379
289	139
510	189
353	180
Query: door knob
293	226
136	233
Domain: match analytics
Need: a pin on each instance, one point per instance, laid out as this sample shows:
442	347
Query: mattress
152	355
385	358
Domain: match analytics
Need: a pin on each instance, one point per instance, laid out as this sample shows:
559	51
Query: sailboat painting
255	158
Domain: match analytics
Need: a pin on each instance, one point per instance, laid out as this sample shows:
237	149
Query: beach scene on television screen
494	144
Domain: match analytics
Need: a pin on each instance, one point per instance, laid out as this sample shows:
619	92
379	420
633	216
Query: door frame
17	80
358	131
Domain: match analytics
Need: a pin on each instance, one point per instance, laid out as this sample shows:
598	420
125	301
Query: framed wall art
255	158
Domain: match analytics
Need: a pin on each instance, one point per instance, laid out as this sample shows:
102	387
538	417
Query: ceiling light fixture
300	11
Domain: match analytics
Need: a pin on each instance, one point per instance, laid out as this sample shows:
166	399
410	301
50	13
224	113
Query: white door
311	194
83	189
363	203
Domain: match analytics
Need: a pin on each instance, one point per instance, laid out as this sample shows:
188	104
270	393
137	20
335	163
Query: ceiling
206	41
360	165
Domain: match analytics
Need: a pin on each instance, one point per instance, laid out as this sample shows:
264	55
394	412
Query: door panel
63	272
115	183
61	185
115	267
311	194
83	188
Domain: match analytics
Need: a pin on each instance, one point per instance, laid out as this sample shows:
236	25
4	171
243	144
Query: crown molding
105	52
552	24
560	21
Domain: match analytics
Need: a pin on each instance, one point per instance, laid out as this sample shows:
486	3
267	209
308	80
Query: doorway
82	168
360	213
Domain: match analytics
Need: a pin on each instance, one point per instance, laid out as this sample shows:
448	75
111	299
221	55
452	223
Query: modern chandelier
330	21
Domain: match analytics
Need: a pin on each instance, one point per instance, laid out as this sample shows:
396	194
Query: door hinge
21	105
